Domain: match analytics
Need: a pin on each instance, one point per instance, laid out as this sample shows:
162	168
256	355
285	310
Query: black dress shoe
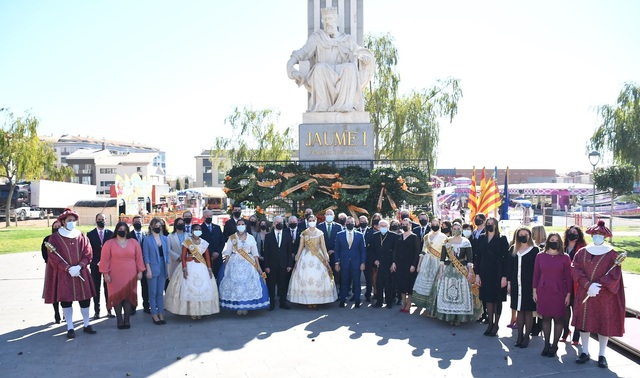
157	322
272	306
377	305
56	318
552	351
96	316
545	350
583	358
342	304
89	330
127	326
121	326
602	362
163	321
389	306
285	306
357	305
71	334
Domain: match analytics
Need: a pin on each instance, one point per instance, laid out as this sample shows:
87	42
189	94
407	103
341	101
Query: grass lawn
26	239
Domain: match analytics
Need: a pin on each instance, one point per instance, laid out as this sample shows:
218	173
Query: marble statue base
328	142
335	117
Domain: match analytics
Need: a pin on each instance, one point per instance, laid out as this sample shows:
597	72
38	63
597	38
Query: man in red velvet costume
604	310
70	279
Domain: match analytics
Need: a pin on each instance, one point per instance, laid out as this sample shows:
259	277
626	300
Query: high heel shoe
488	330
545	351
494	330
56	318
552	351
518	343
525	342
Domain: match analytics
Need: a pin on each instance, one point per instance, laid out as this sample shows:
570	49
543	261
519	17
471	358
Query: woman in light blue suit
155	252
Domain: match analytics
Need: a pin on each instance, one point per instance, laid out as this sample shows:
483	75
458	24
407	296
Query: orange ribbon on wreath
353	209
293	189
268	184
383	192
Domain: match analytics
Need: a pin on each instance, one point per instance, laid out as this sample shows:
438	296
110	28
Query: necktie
350	239
138	237
101	236
278	236
329	228
188	229
293	235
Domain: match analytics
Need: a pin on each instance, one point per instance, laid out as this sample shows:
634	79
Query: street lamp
594	159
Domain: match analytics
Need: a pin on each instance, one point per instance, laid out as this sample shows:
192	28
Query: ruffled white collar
598	250
69	234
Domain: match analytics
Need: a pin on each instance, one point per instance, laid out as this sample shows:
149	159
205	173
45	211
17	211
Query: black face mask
363	224
375	222
523	238
350	226
237	214
342	221
187	220
208	220
478	222
552	245
100	224
293	226
263	226
122	233
405	228
490	227
572	236
180	226
157	230
435	228
137	226
445	230
423	222
394	227
279	226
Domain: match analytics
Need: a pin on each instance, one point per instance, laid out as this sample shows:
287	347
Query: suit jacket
175	251
278	257
382	247
96	244
151	253
230	229
474	245
132	235
215	237
356	253
295	243
330	240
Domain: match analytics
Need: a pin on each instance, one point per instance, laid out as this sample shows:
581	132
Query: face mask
478	222
466	233
237	214
263	227
100	224
252	223
598	239
350	226
208	220
70	226
394	227
157	230
137	226
363	224
375	222
523	238
490	227
180	226
457	232
122	233
423	222
572	236
329	218
552	245
293	226
187	220
435	228
445	230
197	233
342	221
242	228
312	224
279	226
383	230
405	228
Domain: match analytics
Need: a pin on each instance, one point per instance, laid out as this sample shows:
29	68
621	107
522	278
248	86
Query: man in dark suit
303	223
278	262
230	225
367	232
97	237
382	244
139	235
294	233
350	260
479	220
404	214
212	234
330	229
187	216
423	229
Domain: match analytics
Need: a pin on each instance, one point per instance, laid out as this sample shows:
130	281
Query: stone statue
339	68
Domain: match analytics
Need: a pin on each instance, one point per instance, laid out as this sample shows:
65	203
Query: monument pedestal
336	138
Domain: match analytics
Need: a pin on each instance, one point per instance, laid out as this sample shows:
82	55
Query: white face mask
598	239
241	228
70	226
383	230
312	224
197	233
466	233
329	218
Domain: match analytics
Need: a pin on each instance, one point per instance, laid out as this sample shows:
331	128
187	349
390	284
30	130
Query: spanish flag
490	199
473	197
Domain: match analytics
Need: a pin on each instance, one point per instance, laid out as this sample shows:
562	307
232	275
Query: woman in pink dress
122	265
552	290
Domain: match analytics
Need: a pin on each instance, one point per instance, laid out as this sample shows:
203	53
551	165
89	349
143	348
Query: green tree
186	182
178	186
619	131
254	138
407	126
23	156
617	179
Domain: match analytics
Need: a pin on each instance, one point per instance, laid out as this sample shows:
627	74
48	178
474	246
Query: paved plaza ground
329	342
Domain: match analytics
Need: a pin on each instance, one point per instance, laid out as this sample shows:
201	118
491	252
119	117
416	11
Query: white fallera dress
312	281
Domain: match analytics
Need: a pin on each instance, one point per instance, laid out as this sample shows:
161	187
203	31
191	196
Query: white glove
594	289
74	271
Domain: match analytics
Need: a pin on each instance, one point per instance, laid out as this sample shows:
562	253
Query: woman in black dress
491	274
405	259
522	260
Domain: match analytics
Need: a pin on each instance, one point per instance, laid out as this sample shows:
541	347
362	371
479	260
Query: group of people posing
456	271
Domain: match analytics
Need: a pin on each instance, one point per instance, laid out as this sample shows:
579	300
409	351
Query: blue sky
167	73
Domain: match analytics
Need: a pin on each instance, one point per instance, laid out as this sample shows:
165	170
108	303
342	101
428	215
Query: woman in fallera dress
241	282
312	280
425	290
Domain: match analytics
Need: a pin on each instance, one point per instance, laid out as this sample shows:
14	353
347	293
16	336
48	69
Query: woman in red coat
599	305
573	242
